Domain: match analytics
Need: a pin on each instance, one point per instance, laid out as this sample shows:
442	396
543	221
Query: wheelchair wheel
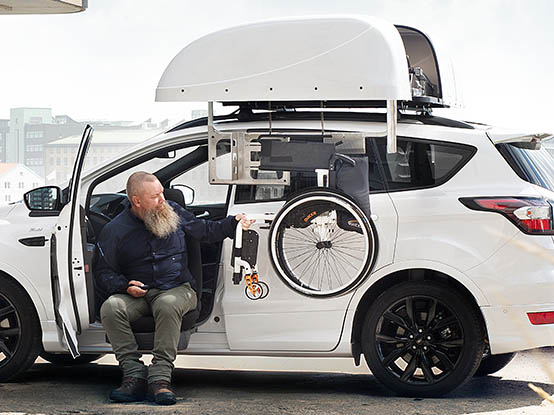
322	244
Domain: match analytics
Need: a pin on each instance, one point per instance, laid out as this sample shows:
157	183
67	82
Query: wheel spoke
6	311
4	349
444	359
383	338
297	256
426	368
443	323
399	321
15	331
395	354
410	311
431	314
450	344
410	369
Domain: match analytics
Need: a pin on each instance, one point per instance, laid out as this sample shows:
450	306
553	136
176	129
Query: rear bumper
510	330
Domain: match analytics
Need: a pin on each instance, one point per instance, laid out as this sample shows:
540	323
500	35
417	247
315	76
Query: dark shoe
131	390
161	393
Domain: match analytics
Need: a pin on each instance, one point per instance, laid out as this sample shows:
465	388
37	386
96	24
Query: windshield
534	166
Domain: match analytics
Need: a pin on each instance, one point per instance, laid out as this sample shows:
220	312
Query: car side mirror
188	192
43	199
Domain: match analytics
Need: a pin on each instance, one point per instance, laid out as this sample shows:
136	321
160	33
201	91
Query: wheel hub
323	244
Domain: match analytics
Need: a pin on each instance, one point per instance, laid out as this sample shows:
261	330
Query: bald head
135	183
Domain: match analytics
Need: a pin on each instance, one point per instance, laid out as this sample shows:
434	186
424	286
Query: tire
20	332
67	360
493	363
422	339
322	244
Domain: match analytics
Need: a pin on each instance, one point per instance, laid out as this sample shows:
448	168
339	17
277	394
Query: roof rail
246	114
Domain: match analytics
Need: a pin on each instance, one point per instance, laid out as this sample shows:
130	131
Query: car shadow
232	391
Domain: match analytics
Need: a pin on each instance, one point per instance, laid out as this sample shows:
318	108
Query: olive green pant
168	308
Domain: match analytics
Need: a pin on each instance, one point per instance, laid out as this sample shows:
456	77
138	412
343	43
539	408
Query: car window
300	181
117	183
197	179
421	163
533	166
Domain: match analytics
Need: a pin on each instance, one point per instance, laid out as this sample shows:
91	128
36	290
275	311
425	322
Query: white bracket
392	121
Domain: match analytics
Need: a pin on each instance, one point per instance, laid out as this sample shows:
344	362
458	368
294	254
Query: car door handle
203	214
34	241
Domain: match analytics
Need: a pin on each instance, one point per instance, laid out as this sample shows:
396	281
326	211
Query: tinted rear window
421	163
533	166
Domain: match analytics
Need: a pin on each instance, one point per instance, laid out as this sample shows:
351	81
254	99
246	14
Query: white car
445	269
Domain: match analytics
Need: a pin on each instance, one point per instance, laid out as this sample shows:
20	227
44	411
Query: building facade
4	130
107	142
19	119
15	180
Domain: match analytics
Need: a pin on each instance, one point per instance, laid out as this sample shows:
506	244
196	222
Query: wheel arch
29	289
387	280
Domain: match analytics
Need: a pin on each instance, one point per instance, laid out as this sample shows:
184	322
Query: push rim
322	258
419	340
10	330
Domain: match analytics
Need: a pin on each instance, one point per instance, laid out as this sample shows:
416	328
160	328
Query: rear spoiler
528	141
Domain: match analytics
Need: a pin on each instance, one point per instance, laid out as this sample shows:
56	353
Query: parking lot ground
48	389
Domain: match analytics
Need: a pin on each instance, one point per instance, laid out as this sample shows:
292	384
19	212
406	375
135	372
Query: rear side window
533	166
421	163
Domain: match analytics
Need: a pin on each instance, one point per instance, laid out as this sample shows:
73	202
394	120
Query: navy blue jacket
127	251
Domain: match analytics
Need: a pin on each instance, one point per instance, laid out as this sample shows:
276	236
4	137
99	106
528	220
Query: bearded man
142	266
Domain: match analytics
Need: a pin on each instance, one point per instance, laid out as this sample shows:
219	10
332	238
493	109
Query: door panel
72	270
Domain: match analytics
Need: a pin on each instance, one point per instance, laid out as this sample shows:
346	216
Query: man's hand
245	223
135	290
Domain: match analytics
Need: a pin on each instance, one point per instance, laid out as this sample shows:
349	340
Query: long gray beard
162	222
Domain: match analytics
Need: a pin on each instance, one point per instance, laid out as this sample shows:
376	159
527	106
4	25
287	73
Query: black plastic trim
245	114
34	241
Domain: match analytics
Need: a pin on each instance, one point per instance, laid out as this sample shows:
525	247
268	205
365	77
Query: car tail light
541	318
531	215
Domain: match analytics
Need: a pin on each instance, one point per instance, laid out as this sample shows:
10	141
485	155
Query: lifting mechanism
367	63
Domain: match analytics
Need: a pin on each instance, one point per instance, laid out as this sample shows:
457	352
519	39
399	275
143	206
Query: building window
21	185
7	198
35	184
6	185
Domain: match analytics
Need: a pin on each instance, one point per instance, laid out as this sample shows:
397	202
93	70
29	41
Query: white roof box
297	59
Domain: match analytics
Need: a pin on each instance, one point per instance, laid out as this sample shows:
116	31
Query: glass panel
538	165
197	179
43	198
419	163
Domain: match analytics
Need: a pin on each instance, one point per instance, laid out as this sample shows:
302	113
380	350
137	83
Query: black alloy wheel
422	339
10	330
20	334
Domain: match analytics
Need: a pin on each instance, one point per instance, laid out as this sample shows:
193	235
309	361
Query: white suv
444	270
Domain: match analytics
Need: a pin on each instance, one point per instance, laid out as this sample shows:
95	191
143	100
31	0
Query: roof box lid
432	78
295	59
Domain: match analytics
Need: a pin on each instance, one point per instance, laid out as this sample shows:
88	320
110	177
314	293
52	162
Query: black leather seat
143	328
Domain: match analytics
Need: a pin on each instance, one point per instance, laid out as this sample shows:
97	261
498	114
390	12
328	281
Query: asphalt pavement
305	388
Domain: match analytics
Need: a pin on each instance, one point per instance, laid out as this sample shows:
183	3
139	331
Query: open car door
70	272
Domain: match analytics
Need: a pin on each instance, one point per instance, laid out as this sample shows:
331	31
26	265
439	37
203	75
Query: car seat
144	327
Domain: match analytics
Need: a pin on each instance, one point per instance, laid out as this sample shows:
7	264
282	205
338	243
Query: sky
105	63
